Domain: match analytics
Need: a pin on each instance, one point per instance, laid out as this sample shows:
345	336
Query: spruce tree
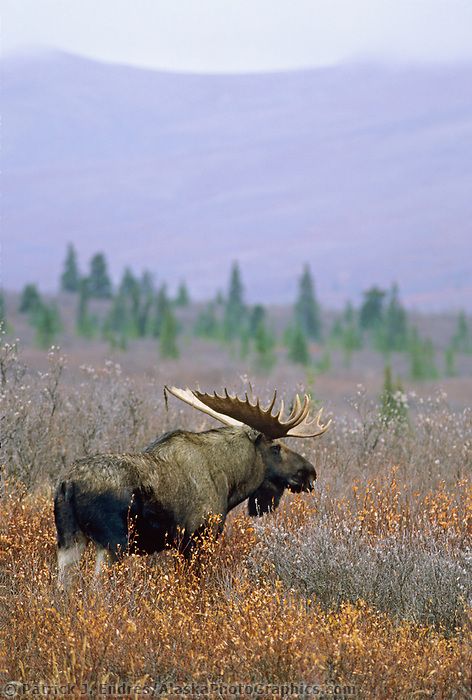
392	332
345	334
128	283
98	279
118	326
207	325
168	336
298	351
264	344
30	299
48	324
182	298
372	309
257	316
234	308
462	341
128	300
70	278
136	300
450	362
307	310
393	404
85	324
161	306
146	300
422	362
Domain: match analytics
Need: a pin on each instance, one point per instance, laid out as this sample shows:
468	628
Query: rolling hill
364	171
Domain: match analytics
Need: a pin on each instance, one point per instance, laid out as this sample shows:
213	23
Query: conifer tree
161	306
264	344
98	280
70	277
85	324
128	301
30	299
298	351
257	316
234	308
393	401
48	324
146	295
207	325
462	341
372	309
450	362
168	336
128	283
136	300
422	363
346	335
307	310
392	331
182	298
118	324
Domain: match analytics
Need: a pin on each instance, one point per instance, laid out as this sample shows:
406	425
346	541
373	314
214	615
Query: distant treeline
136	308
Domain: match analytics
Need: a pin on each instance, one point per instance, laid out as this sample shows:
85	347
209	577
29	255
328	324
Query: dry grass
365	584
244	618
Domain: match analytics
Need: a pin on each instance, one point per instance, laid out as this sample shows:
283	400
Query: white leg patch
101	555
68	556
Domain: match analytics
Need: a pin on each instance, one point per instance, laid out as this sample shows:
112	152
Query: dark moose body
168	494
164	495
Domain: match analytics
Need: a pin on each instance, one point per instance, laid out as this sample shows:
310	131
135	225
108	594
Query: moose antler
231	410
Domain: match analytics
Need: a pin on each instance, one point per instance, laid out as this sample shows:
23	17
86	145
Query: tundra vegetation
365	582
139	308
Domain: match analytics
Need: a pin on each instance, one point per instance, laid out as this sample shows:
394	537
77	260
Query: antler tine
237	411
318	418
299	412
189	396
296	408
303	429
272	404
280	413
315	419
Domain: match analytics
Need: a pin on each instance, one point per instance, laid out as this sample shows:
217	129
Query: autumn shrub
365	583
246	617
414	566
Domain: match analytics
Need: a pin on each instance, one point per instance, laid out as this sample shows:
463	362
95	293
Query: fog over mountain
363	171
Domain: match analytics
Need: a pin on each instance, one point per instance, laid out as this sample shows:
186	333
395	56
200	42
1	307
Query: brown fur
175	484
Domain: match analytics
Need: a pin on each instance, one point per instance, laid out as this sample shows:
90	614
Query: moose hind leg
68	556
101	556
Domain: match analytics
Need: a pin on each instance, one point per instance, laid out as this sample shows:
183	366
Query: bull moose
165	495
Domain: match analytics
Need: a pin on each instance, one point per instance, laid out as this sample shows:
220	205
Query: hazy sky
242	35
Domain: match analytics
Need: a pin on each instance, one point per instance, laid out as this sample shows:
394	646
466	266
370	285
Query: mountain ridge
366	171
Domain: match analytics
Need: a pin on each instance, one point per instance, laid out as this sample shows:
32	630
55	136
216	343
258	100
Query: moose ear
255	436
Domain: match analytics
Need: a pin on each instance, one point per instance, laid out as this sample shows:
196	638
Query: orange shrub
152	618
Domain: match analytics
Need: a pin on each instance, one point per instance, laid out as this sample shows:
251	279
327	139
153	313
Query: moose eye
275	449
